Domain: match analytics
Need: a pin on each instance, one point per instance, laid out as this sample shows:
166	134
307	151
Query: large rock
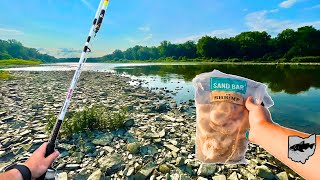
180	161
264	172
247	174
145	171
8	119
95	175
233	176
134	148
161	107
2	153
103	140
207	169
283	176
111	164
63	176
220	177
72	166
163	168
129	123
171	147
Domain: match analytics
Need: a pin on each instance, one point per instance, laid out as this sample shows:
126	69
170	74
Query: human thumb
249	103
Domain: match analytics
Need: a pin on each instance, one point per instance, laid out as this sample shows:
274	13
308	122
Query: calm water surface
295	89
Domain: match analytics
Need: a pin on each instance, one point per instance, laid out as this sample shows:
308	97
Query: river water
295	89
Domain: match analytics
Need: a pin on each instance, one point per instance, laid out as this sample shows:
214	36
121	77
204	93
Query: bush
306	59
4	75
97	117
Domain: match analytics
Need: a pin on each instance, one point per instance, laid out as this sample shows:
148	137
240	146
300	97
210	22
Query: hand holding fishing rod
96	25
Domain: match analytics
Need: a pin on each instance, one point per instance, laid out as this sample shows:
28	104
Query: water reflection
291	79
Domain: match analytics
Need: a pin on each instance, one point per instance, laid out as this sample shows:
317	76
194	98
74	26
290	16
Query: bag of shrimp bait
222	118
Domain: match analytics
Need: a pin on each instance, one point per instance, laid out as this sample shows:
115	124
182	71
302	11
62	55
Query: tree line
13	49
288	45
301	45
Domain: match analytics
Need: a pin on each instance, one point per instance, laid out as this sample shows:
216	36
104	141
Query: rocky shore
157	142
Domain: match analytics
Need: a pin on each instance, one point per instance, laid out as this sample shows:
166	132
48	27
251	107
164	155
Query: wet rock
129	123
103	140
220	177
6	142
95	175
148	150
163	168
145	171
133	148
160	108
72	166
36	106
2	114
207	169
111	164
264	172
282	176
7	119
180	161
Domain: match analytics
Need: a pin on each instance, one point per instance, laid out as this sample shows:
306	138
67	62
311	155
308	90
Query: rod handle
49	150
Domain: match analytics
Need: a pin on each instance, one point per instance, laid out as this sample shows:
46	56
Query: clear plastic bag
222	119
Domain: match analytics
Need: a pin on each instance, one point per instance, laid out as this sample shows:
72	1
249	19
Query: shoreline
161	129
8	68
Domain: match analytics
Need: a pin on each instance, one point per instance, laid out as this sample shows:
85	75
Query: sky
60	27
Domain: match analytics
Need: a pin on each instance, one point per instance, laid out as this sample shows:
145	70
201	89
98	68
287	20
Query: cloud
274	10
85	2
223	33
258	21
313	7
287	3
9	32
144	28
142	41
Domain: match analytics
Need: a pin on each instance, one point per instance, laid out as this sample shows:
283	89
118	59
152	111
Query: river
295	89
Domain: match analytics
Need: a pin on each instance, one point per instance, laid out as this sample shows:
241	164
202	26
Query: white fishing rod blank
96	25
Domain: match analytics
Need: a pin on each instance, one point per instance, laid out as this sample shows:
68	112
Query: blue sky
60	27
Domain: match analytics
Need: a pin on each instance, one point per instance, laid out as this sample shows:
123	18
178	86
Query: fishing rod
96	25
